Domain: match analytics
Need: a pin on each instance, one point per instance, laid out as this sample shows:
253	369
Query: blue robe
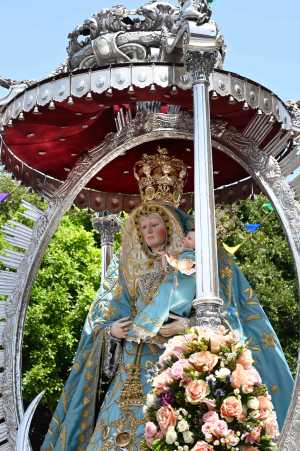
78	424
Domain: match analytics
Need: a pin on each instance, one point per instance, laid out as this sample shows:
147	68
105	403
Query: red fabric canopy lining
53	140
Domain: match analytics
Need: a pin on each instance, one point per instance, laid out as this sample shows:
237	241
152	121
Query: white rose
151	400
222	373
253	403
182	426
188	437
171	435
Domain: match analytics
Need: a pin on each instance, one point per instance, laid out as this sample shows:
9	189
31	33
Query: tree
267	262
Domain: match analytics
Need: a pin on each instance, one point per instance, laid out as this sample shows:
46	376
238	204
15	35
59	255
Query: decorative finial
160	177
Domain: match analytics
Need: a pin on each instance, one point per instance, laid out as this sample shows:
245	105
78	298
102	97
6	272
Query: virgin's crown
160	177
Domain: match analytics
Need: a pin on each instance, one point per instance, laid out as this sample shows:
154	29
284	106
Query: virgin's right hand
119	328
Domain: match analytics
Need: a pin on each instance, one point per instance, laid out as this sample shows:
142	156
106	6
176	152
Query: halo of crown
161	177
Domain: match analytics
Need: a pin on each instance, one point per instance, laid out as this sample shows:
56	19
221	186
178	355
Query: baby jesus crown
160	177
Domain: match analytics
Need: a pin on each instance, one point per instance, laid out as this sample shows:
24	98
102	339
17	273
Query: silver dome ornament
51	105
89	96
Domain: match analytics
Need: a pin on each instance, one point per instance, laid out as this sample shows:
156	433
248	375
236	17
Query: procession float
142	118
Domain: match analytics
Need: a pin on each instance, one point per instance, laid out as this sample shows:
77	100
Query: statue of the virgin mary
144	302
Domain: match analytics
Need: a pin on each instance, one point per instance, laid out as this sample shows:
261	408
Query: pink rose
242	377
207	430
177	369
271	426
210	417
210	403
202	446
220	428
196	391
231	408
204	361
166	417
150	432
162	381
254	435
176	346
246	359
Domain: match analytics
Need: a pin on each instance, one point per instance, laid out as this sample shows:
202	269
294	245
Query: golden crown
160	177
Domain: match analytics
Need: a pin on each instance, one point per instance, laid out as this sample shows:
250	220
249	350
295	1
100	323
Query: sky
262	37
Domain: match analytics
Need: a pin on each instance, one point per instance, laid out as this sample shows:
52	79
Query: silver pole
208	303
207	282
106	256
107	225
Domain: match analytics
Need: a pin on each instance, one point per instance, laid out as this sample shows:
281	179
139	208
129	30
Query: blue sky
262	37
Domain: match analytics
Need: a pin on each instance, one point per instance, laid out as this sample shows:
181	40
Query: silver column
208	304
107	225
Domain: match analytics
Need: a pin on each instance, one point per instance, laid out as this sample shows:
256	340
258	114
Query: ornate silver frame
261	166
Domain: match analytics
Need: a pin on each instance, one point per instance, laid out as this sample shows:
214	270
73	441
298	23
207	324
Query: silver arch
264	169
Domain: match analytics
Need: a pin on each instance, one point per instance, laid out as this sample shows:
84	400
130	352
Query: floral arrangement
207	395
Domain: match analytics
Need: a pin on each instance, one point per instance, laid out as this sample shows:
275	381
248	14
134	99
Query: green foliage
267	262
65	286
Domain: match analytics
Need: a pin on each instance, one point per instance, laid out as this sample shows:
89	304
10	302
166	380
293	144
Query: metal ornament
107	225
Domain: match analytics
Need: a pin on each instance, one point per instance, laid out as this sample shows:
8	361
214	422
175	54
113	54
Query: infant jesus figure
185	263
173	299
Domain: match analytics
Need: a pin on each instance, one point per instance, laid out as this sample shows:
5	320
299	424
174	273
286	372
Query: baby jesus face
188	241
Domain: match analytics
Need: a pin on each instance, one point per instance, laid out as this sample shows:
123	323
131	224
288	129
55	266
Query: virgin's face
154	231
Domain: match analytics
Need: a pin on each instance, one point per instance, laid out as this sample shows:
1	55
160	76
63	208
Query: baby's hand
186	265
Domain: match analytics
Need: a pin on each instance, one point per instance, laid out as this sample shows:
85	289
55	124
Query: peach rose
246	359
204	361
249	448
166	417
241	377
265	403
231	408
162	381
216	339
202	446
265	407
196	391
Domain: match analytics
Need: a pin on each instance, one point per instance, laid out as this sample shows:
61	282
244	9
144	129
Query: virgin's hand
119	328
174	328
